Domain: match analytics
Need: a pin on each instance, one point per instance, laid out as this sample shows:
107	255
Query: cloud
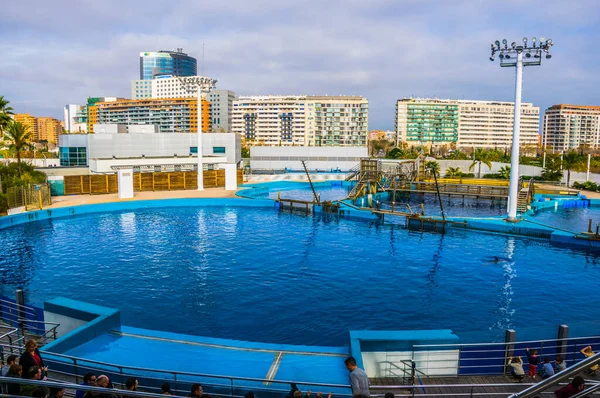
64	51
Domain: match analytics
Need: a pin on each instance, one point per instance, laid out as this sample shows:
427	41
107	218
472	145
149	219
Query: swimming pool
575	219
259	275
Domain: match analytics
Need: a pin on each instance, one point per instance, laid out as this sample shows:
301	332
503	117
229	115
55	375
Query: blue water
255	274
573	219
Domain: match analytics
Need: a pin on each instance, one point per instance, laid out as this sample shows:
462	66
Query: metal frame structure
513	57
201	86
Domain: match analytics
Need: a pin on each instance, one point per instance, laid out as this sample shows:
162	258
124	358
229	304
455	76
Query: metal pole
20	301
200	130
544	161
587	175
514	160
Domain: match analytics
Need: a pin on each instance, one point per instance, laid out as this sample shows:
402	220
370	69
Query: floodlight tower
513	57
200	86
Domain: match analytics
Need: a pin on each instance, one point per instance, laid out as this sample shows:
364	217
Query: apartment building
30	123
301	120
170	87
49	129
464	123
174	115
75	118
571	126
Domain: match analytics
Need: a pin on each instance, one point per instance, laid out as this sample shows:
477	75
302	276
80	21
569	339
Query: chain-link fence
33	197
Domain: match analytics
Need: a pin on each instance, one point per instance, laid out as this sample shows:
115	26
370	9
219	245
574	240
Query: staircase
353	173
523	200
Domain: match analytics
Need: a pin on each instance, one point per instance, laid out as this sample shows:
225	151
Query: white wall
66	324
54	162
432	363
321	158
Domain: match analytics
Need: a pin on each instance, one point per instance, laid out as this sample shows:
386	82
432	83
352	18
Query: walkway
76	200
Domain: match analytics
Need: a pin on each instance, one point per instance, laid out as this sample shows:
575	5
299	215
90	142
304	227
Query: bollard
20	301
561	343
590	226
510	337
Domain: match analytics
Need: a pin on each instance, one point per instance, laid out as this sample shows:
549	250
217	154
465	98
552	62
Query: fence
159	181
32	197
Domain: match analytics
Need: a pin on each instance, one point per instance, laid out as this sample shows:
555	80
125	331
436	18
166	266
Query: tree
245	152
5	112
552	171
452	172
505	172
480	156
432	167
571	161
19	137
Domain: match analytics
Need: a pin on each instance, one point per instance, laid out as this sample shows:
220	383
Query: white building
464	123
316	158
110	151
302	120
221	101
569	127
75	118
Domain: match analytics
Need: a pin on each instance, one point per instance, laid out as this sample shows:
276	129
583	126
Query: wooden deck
464	386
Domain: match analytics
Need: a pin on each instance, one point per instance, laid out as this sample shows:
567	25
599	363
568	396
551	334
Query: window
218	149
194	150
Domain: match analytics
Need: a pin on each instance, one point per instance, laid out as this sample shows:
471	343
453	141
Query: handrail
503	342
47	383
569	372
587	392
49	354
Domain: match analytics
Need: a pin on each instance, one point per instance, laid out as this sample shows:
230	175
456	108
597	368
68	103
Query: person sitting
196	391
166	389
56	392
89	379
548	369
516	371
40	392
576	386
34	373
11	360
15	371
559	364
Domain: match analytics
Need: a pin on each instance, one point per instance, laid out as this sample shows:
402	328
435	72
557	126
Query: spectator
249	394
131	384
587	351
56	392
166	389
320	395
389	395
16	372
576	386
34	373
291	393
548	369
11	360
89	379
516	370
358	378
40	392
559	364
196	391
31	357
533	361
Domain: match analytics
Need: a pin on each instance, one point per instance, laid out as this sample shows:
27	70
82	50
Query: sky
60	52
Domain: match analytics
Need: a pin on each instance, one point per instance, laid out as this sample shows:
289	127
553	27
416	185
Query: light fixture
507	56
525	40
537	54
549	42
513	45
497	44
528	55
504	41
492	58
548	56
501	56
542	39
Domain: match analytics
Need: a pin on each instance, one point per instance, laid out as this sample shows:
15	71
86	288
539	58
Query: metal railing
490	358
75	367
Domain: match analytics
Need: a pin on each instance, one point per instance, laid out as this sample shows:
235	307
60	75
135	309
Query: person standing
31	357
533	360
359	380
587	351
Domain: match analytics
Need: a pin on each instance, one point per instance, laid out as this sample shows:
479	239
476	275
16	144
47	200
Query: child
548	369
517	371
559	364
587	351
533	361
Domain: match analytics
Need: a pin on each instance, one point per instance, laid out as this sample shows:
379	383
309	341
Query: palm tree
480	156
432	167
571	160
505	172
452	172
5	112
19	137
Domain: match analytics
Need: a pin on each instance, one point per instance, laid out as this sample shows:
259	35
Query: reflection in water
509	272
435	265
128	225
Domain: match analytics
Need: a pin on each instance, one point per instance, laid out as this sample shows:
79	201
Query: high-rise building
174	115
30	123
221	101
302	120
174	63
571	126
464	123
75	118
49	129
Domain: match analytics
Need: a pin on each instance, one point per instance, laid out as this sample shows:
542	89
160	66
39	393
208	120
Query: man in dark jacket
576	386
